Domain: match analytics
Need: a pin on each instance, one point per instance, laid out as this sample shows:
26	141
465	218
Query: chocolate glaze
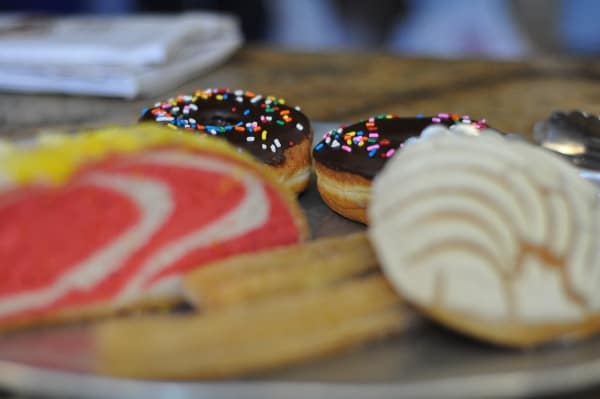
385	132
240	117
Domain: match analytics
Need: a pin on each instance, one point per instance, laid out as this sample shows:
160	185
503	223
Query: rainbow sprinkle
256	113
371	142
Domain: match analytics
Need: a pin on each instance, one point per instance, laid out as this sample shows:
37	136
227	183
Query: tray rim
555	380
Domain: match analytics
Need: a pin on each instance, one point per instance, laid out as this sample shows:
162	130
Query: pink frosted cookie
111	219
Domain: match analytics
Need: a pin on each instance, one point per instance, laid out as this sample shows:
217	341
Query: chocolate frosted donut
348	158
276	134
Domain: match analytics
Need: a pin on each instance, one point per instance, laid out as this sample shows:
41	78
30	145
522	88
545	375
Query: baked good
278	272
248	339
575	135
278	135
347	159
275	319
108	220
491	237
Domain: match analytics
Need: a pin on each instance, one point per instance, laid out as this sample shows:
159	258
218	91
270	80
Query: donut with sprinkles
348	158
276	134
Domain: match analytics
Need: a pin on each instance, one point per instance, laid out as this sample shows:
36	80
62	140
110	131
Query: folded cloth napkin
124	56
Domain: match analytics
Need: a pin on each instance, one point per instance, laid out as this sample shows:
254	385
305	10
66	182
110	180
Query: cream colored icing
460	223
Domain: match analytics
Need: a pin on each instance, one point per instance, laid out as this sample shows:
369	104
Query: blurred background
456	28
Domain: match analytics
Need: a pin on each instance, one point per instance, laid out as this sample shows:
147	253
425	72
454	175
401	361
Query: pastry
491	237
108	220
271	309
251	338
277	134
281	271
347	159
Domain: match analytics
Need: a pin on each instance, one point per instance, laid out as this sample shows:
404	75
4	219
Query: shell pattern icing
488	227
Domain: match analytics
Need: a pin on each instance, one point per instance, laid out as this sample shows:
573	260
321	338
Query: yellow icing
55	157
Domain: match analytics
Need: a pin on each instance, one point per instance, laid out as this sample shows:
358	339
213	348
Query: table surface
345	86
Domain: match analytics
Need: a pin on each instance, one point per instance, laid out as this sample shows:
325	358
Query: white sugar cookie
494	238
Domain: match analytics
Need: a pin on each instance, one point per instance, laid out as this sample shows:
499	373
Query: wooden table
349	86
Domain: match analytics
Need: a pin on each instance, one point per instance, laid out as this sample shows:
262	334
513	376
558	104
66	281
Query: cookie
109	220
493	238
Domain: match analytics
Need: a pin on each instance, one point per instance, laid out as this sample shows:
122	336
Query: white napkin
125	56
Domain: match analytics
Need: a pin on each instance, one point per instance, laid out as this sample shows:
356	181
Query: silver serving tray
426	361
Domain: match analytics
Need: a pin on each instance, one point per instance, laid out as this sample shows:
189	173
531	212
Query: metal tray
424	362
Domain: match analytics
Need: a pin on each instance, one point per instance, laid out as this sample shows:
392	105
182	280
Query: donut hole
218	118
